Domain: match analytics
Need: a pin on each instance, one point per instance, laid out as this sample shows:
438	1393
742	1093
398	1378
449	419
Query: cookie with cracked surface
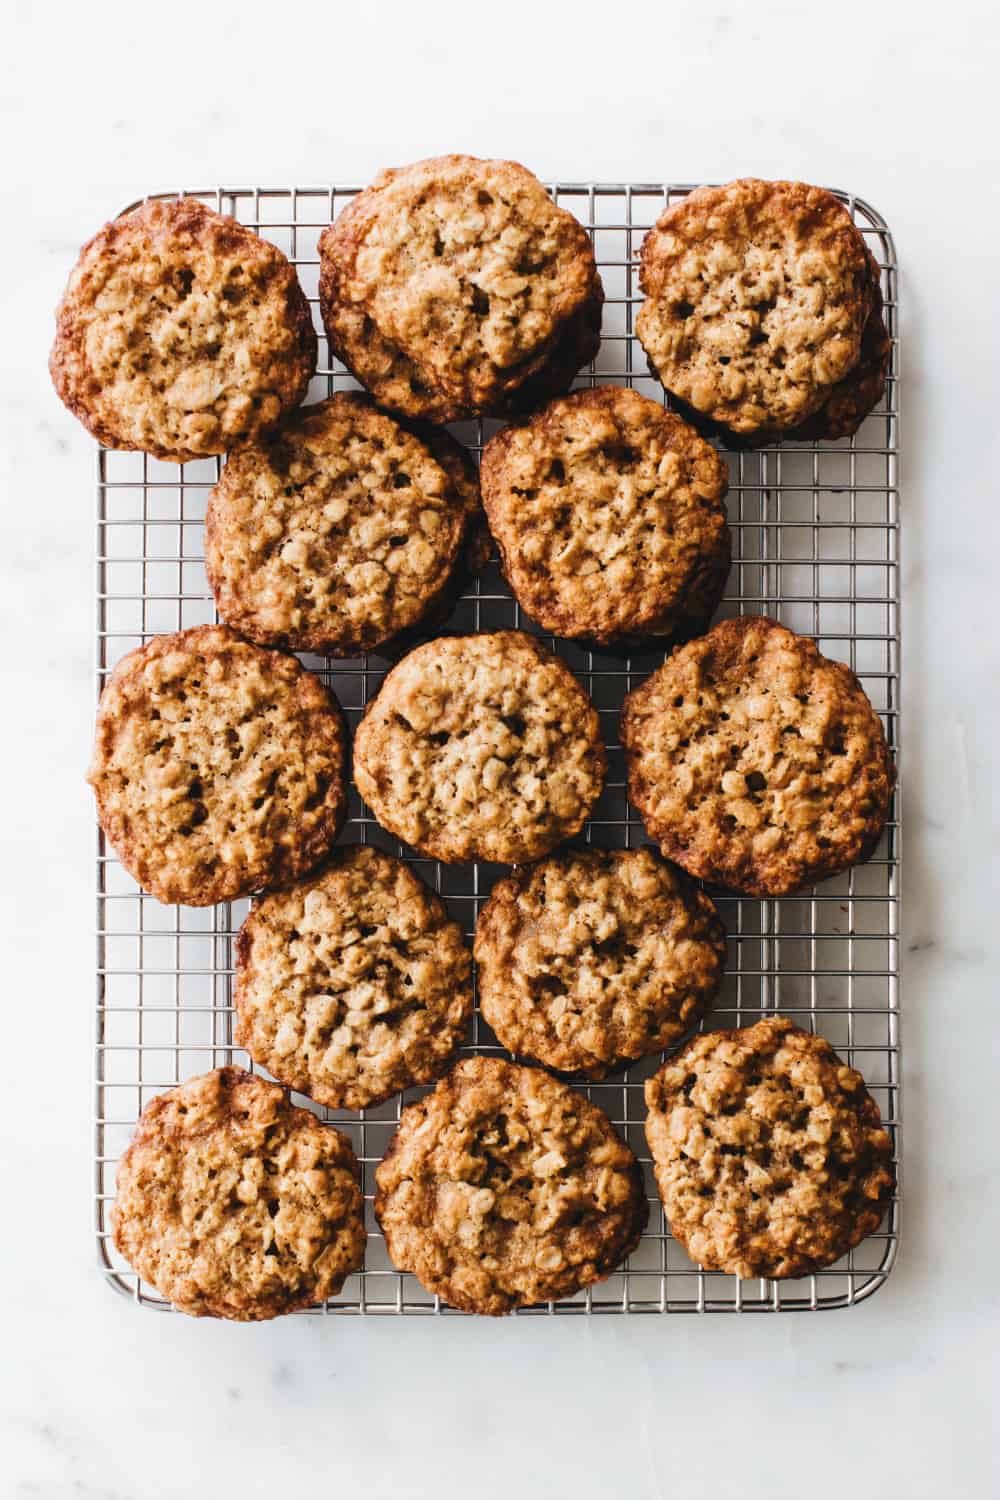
218	766
610	518
757	763
454	287
181	333
337	531
233	1203
769	1152
480	747
593	958
354	984
505	1187
757	299
850	401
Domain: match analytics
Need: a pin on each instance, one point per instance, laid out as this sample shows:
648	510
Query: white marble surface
895	1396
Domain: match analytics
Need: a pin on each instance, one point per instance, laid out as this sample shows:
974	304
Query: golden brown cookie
769	1152
505	1187
218	767
233	1203
337	531
609	515
480	747
592	958
758	296
850	401
455	287
756	762
353	984
181	333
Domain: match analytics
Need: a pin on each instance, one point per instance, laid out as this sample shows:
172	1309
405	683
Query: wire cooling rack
815	531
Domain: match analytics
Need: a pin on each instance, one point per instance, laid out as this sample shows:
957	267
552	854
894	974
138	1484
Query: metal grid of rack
815	529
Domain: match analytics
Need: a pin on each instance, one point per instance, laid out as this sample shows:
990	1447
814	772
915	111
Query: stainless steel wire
816	545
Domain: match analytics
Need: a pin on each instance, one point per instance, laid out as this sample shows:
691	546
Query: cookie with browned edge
850	401
480	747
353	984
610	518
339	530
233	1203
756	762
593	958
455	287
769	1152
181	333
218	766
504	1188
758	297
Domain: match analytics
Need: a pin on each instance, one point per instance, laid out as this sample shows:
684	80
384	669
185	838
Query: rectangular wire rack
815	534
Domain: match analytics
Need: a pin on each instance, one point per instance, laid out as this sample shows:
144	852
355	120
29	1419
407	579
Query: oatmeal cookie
181	333
480	747
504	1187
353	984
337	531
233	1203
758	295
593	958
756	762
850	401
455	287
609	515
218	767
769	1152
